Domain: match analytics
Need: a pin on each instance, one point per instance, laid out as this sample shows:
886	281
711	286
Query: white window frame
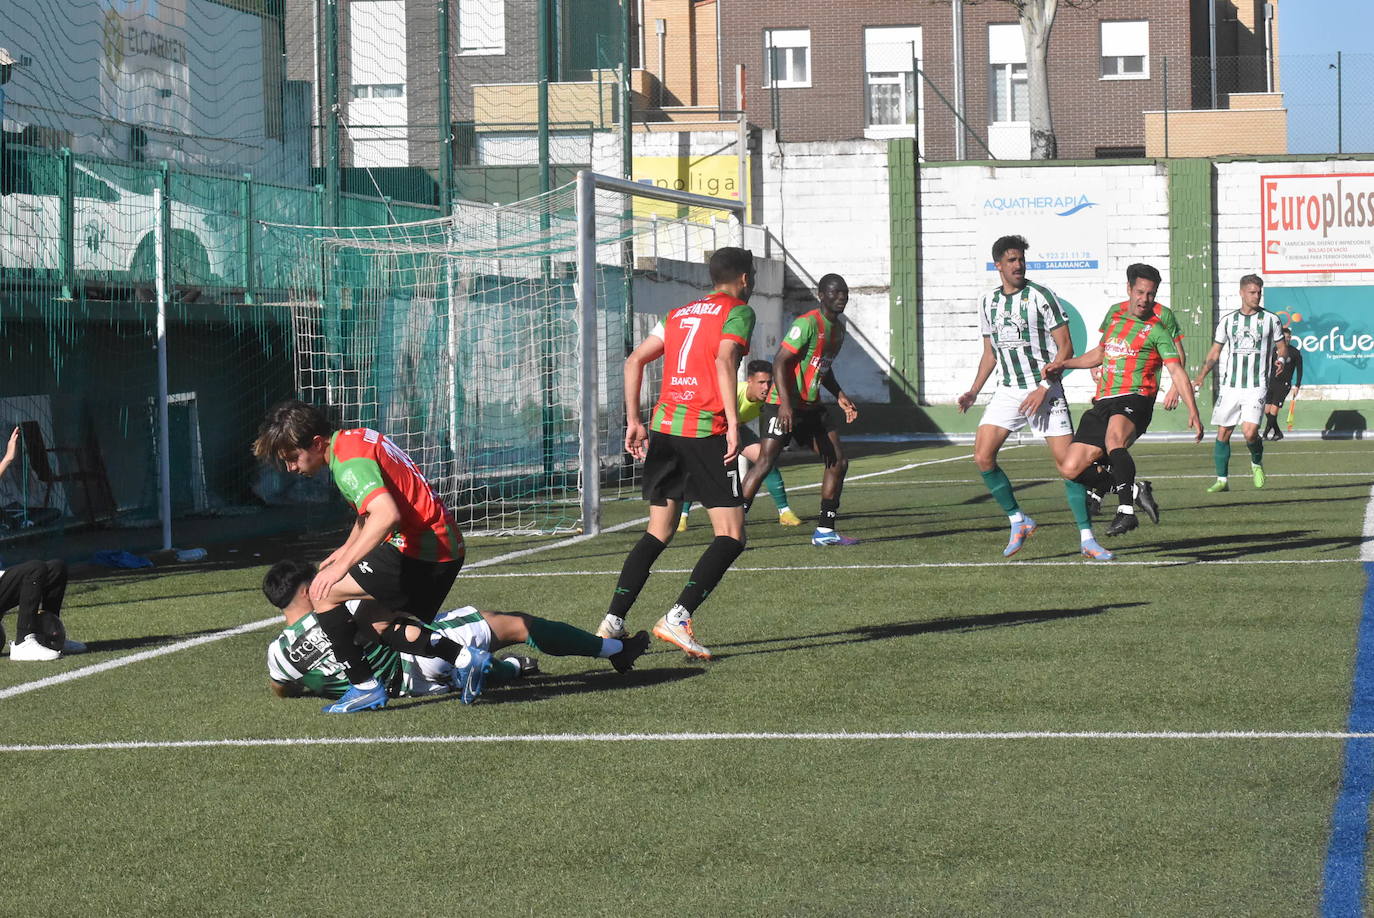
884	75
788	39
1006	53
488	45
1115	38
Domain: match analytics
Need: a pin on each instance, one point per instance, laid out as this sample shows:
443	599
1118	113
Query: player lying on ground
404	550
751	394
1024	327
794	410
690	448
301	660
1135	345
1250	347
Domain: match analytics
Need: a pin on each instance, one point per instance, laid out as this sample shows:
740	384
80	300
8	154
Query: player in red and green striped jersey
690	448
794	410
1135	345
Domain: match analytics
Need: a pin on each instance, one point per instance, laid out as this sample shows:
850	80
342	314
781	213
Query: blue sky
1310	34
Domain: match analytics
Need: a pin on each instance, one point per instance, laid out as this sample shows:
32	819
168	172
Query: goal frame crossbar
588	183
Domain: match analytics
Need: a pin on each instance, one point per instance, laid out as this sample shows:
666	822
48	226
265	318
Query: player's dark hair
291	424
283	579
1141	270
730	264
1254	279
999	248
759	366
1288	329
832	280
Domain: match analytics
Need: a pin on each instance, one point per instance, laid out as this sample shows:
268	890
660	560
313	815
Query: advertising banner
1334	329
1064	222
716	176
1317	224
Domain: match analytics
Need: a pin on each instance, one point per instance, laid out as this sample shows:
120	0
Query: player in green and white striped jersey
301	660
1250	348
1024	327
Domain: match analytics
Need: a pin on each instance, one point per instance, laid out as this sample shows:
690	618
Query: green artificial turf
922	629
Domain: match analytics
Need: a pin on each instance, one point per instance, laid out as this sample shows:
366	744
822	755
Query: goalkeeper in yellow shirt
751	394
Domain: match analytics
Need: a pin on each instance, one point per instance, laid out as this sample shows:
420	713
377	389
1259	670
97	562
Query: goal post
489	344
588	183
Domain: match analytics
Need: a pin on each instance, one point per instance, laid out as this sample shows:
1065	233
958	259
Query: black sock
426	644
1123	474
1271	423
829	508
342	632
634	574
712	565
1096	478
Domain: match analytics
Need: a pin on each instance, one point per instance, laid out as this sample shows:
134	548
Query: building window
1126	50
789	51
1008	92
893	97
481	27
379	90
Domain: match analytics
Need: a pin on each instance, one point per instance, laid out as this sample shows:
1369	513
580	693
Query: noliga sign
1317	224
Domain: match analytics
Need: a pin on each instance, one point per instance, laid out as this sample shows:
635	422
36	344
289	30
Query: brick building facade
854	74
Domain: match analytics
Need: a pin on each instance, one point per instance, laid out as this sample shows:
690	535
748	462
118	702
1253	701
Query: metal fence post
67	226
246	212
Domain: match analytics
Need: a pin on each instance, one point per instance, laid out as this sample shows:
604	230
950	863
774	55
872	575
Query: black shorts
1278	392
1092	426
401	583
690	468
811	426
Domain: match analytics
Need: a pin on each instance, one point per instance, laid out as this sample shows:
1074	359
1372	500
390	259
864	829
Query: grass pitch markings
139	657
935	565
908	736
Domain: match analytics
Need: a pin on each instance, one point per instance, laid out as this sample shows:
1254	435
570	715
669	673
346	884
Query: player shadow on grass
145	641
546	687
1244	545
961	623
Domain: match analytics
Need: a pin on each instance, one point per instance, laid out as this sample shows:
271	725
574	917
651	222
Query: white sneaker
70	646
608	630
681	636
30	651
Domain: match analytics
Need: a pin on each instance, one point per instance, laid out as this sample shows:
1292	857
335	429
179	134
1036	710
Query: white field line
136	657
1008	735
935	565
1367	548
1273	476
139	657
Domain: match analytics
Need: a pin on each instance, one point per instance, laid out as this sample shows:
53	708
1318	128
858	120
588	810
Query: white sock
367	686
615	622
784	509
677	615
1127	509
1085	536
1016	517
610	647
1221	478
822	529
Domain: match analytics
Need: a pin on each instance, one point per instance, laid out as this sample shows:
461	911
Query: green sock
1221	456
1078	503
558	639
773	482
686	507
1000	486
1256	447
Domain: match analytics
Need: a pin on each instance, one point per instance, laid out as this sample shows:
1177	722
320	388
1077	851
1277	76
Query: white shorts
1235	406
431	675
1052	420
